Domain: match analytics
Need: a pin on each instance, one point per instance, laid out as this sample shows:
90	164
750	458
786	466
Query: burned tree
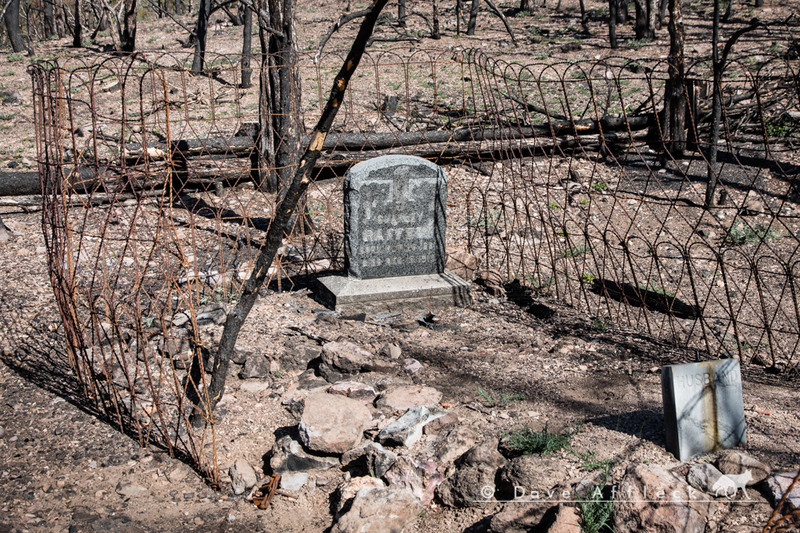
674	123
11	19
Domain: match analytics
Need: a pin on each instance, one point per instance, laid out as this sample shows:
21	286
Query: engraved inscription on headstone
703	408
395	217
394	224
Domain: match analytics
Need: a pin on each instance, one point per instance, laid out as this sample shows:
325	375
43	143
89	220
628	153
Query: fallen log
206	172
241	145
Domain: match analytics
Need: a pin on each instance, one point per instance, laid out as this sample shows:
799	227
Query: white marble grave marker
703	409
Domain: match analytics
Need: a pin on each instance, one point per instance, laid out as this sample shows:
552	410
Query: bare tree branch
344	19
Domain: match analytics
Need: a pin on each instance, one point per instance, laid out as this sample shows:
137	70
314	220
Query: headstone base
404	293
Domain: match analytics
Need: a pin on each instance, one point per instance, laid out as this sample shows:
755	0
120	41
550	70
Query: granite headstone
394	212
703	407
395	224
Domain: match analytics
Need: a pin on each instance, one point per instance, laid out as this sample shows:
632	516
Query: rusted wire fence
558	179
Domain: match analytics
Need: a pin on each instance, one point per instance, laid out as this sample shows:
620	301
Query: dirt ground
63	465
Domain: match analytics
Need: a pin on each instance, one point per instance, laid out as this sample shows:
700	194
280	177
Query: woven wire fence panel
558	183
611	224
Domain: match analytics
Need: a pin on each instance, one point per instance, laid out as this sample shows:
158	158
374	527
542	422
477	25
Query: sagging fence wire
156	202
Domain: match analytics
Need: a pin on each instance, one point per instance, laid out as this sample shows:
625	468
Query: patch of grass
575	251
584	201
538	283
7	116
601	324
500	398
14	57
600	186
590	462
587	277
554	205
780	128
636	44
742	233
541	442
596	512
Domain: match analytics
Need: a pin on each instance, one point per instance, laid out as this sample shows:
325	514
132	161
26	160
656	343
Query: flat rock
297	356
567	520
518	517
242	475
344	494
404	397
332	423
379	510
345	356
703	477
407	430
254	386
256	367
734	462
473	483
452	444
353	389
128	489
462	264
288	456
418	476
530	473
294	482
652	499
370	457
777	484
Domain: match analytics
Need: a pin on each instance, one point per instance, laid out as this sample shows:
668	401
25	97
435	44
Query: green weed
781	128
528	442
600	186
742	233
575	251
590	462
500	398
587	277
596	511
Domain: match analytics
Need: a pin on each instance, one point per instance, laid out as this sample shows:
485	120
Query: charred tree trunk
12	27
663	12
644	25
247	44
473	17
612	24
77	31
401	12
49	19
200	34
716	114
622	11
584	17
435	34
127	39
279	132
674	124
